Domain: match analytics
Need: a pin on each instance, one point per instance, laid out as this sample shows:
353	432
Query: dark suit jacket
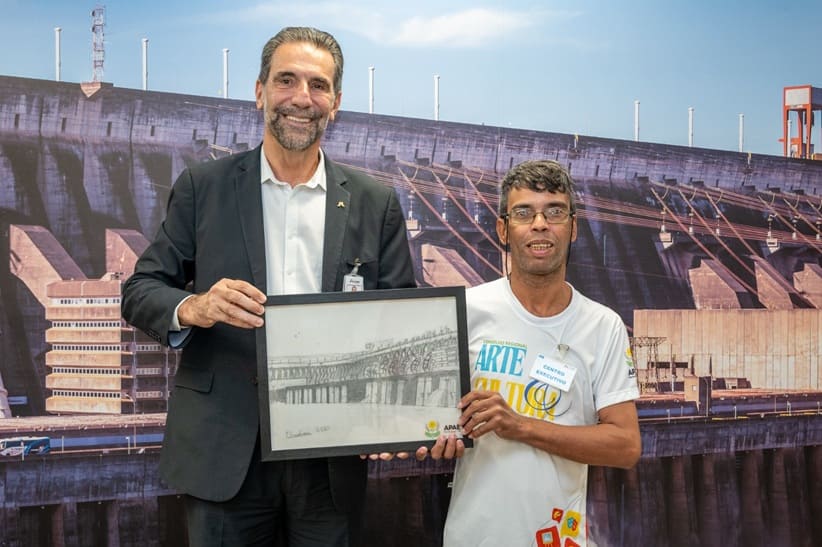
214	229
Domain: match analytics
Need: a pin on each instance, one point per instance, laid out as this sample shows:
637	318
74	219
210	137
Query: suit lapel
250	204
337	205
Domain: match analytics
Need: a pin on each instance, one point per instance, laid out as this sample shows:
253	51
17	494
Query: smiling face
538	249
298	98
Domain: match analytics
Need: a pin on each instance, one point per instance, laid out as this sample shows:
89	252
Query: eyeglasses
526	215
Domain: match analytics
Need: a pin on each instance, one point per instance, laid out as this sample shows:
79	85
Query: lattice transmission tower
98	50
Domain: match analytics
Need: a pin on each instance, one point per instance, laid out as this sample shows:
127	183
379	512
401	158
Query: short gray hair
539	176
318	38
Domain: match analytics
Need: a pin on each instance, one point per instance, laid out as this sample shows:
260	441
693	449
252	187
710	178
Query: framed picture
361	372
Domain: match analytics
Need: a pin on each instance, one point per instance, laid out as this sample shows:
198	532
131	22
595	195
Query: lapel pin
340	205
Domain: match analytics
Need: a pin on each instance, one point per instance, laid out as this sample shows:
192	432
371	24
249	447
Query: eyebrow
546	206
281	73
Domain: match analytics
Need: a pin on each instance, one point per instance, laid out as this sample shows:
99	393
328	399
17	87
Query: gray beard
293	140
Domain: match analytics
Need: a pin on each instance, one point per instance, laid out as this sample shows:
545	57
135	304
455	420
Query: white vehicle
17	446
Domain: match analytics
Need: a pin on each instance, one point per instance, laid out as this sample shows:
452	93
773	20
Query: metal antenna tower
98	52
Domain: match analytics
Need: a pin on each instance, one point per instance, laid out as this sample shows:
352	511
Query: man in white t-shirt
553	382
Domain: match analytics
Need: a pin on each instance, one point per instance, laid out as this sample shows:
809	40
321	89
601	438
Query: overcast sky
560	66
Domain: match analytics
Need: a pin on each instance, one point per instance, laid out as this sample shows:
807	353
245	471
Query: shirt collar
316	180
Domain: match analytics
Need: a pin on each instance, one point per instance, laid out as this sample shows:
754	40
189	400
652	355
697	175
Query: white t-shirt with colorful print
506	493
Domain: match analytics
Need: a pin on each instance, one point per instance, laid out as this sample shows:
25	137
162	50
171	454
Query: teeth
540	246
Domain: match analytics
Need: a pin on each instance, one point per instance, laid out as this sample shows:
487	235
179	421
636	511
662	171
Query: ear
574	228
502	232
335	107
258	94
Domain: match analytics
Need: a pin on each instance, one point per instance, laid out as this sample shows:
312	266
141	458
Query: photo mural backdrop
711	258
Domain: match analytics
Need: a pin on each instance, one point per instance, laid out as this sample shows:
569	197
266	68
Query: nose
302	95
539	222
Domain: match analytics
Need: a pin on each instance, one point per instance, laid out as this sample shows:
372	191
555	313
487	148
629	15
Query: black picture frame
363	372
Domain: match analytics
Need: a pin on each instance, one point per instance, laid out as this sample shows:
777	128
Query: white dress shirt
294	227
294	224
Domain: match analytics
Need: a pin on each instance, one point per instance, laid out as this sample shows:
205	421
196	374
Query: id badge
353	282
553	372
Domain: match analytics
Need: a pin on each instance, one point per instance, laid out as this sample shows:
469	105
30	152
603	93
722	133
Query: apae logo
432	429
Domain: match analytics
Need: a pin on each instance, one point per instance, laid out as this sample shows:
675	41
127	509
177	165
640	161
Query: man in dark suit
279	219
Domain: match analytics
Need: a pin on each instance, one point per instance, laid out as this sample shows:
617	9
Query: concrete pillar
58	536
779	513
113	523
145	514
677	506
70	525
598	504
400	393
814	458
629	510
796	483
706	499
10	519
5	409
751	517
652	506
151	510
